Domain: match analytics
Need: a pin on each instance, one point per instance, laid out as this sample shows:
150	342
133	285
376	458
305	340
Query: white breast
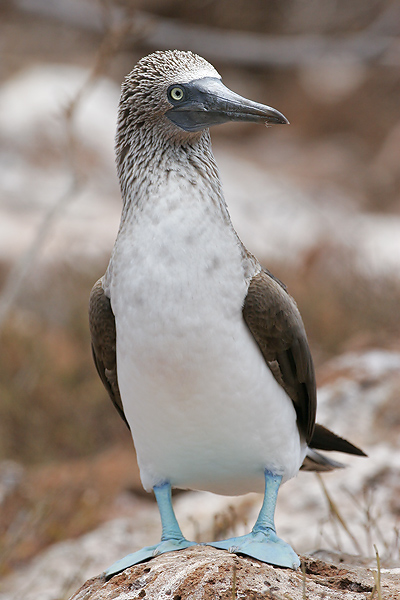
204	409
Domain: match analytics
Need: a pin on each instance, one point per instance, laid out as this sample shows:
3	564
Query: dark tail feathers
324	439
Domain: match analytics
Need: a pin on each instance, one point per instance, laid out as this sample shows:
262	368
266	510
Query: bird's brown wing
273	318
102	330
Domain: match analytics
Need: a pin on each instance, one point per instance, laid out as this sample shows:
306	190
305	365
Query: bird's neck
147	164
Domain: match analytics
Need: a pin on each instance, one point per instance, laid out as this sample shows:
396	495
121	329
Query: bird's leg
262	542
265	520
171	537
169	523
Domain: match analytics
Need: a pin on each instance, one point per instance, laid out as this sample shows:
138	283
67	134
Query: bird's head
180	94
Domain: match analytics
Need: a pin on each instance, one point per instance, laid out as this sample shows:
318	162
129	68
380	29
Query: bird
201	349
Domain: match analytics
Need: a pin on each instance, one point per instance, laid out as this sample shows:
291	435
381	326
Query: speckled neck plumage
145	161
148	145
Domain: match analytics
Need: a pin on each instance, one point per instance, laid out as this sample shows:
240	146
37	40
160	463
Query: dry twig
338	517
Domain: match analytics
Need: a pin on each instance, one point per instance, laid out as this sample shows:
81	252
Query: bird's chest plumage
193	382
178	276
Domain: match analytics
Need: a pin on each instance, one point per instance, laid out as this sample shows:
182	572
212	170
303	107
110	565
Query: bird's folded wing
273	318
102	330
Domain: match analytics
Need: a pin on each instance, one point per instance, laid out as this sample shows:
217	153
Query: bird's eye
176	93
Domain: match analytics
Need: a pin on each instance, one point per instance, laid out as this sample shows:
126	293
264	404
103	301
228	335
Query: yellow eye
176	93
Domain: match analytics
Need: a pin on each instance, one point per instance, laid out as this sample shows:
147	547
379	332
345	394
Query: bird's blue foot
265	546
146	553
262	542
171	538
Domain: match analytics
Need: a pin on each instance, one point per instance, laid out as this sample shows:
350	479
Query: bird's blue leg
171	536
262	542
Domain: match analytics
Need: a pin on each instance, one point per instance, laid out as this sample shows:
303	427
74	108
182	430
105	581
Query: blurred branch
21	268
249	49
238	47
110	45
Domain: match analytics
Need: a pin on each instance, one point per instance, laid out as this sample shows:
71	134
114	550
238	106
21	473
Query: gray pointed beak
206	102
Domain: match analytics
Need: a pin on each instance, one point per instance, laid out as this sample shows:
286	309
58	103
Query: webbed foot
146	553
263	545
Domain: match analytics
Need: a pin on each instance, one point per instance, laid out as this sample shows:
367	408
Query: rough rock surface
204	572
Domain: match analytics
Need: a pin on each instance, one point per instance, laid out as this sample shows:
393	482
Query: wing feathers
275	322
102	330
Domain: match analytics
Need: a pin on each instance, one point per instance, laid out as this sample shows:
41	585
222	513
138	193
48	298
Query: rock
204	572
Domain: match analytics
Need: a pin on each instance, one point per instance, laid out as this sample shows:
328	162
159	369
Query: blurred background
318	202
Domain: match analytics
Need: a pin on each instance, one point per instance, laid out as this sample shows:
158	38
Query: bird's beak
208	102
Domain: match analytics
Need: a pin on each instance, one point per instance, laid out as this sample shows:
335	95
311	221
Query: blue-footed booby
202	350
